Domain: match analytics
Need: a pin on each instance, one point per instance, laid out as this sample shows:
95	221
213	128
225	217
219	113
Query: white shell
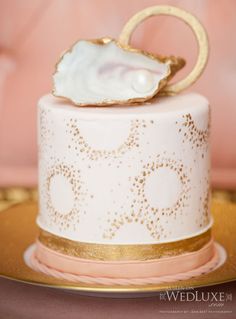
94	73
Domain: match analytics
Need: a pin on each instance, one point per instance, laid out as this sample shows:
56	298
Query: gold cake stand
18	231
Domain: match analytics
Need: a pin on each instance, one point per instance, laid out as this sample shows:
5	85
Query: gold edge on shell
175	64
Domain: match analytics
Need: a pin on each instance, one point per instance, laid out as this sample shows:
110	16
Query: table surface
19	300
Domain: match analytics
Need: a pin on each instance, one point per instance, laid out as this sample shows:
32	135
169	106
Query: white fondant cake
124	174
124	190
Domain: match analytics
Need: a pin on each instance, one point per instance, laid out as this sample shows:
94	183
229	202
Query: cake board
15	240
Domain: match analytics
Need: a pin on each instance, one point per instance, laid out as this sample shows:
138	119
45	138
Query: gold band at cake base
123	252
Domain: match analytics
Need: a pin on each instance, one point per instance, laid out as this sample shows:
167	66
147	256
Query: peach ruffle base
162	270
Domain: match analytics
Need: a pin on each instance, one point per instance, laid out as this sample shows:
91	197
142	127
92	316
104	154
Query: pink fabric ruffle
128	269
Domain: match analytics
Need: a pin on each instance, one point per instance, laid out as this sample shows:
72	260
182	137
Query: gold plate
18	231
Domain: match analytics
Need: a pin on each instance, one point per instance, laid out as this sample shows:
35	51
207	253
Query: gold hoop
195	26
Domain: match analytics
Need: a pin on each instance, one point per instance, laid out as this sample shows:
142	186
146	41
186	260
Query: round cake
124	190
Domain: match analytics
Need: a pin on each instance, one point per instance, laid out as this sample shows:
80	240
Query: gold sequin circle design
80	144
71	218
141	211
191	133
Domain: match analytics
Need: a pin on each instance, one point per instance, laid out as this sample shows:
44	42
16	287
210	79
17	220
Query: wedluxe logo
194	301
211	297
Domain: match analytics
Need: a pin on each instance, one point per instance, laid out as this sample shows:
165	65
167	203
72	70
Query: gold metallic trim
192	22
117	252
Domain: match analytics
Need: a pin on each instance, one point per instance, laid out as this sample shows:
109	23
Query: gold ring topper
106	71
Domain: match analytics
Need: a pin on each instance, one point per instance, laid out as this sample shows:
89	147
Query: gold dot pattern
141	211
45	133
71	218
198	138
79	142
154	219
204	211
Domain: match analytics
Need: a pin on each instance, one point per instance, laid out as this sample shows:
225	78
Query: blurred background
33	33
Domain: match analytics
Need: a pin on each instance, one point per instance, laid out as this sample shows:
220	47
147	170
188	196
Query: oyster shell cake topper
107	71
